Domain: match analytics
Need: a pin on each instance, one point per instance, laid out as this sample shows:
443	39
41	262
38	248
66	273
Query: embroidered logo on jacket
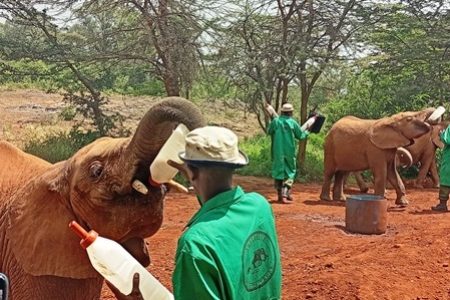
258	260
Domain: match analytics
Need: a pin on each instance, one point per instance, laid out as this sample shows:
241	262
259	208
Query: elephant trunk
155	128
403	158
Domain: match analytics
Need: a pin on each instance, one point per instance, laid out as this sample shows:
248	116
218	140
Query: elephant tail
403	158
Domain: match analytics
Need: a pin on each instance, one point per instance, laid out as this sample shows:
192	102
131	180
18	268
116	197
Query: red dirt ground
321	260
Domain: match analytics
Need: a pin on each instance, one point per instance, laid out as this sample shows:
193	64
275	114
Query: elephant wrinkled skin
354	144
39	253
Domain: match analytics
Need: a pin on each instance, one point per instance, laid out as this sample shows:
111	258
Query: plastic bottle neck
87	238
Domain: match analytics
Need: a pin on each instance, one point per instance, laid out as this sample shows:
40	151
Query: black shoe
440	207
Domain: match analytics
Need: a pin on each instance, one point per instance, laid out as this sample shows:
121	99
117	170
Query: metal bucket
366	214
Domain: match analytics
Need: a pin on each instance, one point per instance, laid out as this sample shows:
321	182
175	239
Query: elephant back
17	168
349	127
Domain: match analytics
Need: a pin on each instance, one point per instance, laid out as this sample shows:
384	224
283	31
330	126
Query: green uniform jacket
283	131
444	171
229	251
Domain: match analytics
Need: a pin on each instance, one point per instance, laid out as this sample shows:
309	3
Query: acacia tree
32	34
169	33
273	47
413	48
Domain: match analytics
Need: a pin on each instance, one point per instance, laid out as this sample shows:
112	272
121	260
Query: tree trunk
305	92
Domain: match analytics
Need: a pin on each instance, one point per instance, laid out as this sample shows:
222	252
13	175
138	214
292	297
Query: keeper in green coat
229	249
284	131
444	172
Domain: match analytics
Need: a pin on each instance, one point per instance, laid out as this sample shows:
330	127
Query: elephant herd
95	187
355	145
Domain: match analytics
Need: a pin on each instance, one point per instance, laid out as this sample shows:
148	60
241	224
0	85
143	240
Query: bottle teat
87	238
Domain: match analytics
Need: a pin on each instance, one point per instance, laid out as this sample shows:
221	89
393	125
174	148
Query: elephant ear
385	135
38	231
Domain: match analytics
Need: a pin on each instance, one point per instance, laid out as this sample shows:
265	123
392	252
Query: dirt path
321	260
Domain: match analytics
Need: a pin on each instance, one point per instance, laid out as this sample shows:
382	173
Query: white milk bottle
308	123
160	170
271	111
117	266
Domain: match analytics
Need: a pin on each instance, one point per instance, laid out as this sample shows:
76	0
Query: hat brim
287	110
242	161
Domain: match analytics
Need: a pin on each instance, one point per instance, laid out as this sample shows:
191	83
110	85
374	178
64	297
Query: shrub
68	113
59	146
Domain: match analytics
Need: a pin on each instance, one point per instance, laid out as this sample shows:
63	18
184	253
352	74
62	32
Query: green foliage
257	149
61	146
68	113
313	167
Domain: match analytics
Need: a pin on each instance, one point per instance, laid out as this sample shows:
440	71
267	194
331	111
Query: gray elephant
354	144
38	251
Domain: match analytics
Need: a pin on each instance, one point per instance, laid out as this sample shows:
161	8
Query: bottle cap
87	238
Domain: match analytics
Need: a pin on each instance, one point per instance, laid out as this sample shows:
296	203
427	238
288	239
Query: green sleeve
445	136
195	278
299	133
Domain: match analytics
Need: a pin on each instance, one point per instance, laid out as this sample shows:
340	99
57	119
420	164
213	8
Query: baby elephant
354	144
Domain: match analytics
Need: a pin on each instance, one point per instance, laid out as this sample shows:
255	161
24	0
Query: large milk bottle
308	123
160	171
117	266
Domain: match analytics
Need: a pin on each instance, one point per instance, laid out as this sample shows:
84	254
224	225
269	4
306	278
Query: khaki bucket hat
287	107
213	145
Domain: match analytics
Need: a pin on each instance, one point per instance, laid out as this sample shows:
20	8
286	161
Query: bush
59	146
68	113
257	148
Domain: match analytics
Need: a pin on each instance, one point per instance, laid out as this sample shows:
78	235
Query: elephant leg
434	173
396	181
423	171
344	180
361	183
327	177
379	175
338	189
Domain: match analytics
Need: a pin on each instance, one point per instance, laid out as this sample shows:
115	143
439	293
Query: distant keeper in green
444	172
284	131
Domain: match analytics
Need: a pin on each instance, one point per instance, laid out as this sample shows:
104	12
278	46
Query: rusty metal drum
366	214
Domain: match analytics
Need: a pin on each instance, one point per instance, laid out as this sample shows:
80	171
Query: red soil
322	261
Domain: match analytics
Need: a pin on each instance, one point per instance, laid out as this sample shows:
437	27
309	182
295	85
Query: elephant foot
418	184
339	198
325	197
364	189
402	202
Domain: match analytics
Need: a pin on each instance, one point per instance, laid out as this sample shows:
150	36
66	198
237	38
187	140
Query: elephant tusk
406	155
177	186
140	187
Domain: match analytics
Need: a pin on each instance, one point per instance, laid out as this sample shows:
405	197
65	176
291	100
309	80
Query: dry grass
32	113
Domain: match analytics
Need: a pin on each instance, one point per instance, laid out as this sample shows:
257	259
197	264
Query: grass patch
59	146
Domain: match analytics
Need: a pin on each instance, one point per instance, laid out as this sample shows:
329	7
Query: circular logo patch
258	260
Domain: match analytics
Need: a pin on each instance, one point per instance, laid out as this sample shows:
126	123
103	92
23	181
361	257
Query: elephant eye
96	169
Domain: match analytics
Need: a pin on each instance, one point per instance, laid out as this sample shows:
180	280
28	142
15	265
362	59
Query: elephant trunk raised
163	118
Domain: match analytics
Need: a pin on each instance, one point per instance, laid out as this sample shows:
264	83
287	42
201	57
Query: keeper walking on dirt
444	172
283	131
229	249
